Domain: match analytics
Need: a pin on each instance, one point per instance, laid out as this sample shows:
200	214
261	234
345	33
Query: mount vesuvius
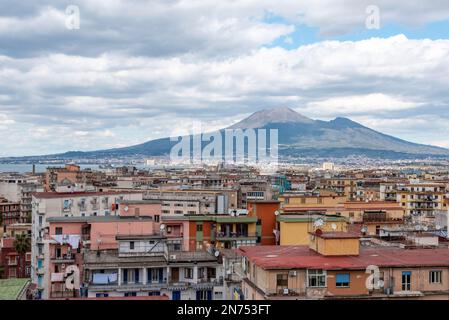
298	136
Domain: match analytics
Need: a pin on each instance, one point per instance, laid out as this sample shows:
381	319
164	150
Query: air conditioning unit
286	292
292	273
173	256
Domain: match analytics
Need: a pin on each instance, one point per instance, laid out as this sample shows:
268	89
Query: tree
22	245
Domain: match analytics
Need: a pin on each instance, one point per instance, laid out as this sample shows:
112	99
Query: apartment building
10	213
69	205
257	190
333	266
294	202
13	263
182	202
294	228
126	256
346	187
422	200
19	189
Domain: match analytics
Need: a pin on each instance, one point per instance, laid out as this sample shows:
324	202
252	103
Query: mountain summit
261	118
299	136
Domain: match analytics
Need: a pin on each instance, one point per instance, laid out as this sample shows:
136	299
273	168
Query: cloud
131	74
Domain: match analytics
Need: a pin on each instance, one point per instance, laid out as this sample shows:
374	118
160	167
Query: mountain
262	118
298	136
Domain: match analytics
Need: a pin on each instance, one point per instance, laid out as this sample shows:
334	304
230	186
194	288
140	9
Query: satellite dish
334	226
217	253
318	222
162	227
438	227
425	228
276	213
126	208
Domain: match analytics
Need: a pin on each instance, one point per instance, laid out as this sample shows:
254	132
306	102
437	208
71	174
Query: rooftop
335	235
51	195
98	218
301	257
11	289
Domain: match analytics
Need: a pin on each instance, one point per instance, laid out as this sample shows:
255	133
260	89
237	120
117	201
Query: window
316	278
58	253
282	281
188	273
204	295
102	295
28	257
406	280
199	245
199	227
131	245
342	280
435	276
156	218
130	294
58	230
12	273
12	261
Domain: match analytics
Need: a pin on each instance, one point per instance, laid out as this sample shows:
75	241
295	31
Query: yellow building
294	229
300	202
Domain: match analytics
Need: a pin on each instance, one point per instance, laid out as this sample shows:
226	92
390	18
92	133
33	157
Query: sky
136	70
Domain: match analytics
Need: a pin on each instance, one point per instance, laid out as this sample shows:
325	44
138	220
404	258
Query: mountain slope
298	136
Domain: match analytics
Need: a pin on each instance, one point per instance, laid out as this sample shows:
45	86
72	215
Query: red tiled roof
49	195
301	257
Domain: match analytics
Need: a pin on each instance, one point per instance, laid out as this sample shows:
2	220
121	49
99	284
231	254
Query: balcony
65	258
224	236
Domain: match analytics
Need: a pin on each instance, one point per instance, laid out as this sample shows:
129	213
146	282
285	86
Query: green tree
22	245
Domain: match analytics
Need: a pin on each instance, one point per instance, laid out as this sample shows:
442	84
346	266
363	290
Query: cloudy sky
136	70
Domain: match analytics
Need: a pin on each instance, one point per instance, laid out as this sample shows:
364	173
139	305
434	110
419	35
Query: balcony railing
64	258
234	235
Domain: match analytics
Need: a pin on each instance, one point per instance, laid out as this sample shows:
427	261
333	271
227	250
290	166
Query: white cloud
135	74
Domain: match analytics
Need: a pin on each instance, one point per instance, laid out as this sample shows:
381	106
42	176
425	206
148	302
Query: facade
10	213
126	256
287	272
18	189
182	202
69	205
14	264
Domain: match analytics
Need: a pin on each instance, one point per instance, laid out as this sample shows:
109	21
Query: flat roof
149	201
98	218
302	257
305	217
10	289
336	235
50	195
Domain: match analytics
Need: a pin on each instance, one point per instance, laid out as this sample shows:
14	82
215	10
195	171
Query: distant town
370	229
